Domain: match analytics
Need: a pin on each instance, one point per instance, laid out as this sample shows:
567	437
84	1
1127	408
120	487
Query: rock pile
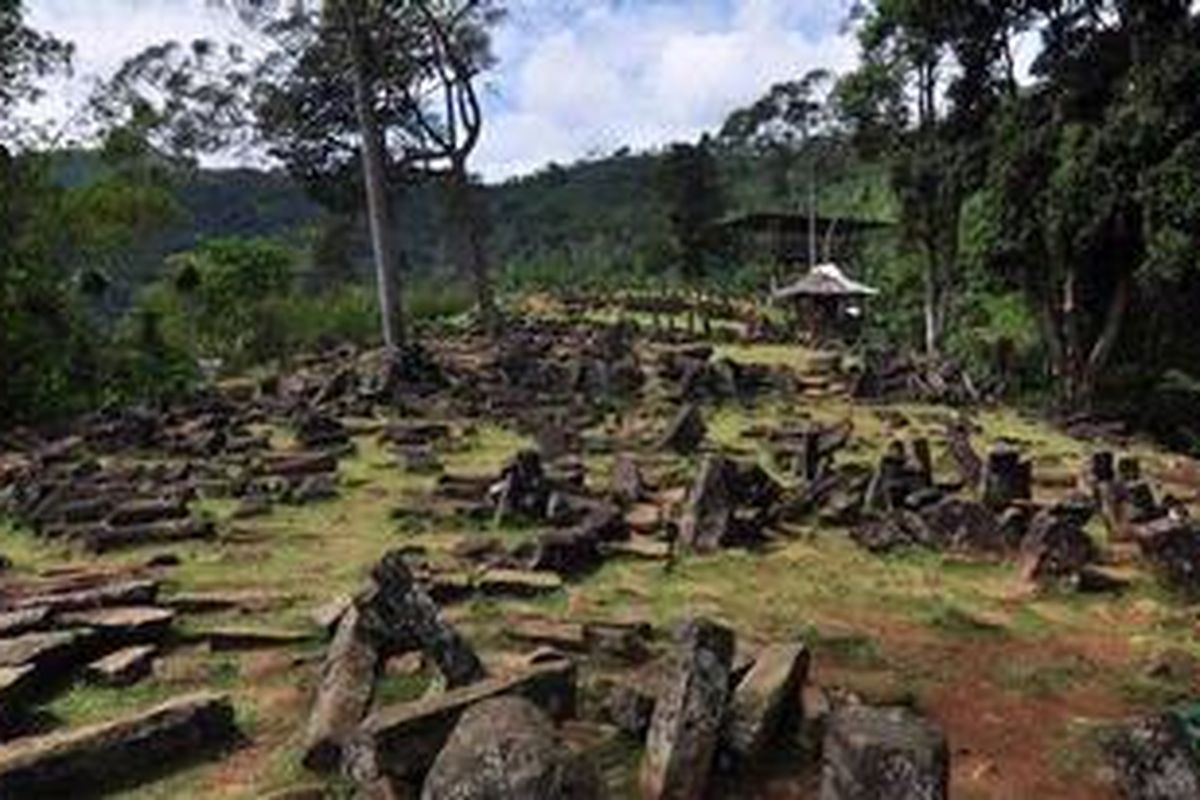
106	628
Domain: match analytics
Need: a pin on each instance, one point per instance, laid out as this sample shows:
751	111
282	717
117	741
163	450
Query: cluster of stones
901	377
987	509
105	629
707	717
109	629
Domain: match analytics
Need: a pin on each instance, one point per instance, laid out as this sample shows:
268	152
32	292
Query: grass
1044	679
899	628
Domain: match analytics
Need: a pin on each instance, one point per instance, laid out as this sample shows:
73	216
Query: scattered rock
1155	760
767	699
103	755
117	593
687	719
630	707
16	685
123	626
564	636
639	547
519	583
883	754
251	638
142	512
249	601
105	539
122	668
15	623
1055	548
400	742
507	749
1172	546
48	652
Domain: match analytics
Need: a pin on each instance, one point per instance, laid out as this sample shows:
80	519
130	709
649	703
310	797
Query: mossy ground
1018	680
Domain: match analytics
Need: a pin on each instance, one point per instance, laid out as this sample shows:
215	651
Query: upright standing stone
883	754
923	456
627	485
966	460
344	695
399	613
1006	478
710	506
686	431
767	699
688	716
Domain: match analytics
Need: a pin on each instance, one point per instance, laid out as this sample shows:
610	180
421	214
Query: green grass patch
1044	679
950	619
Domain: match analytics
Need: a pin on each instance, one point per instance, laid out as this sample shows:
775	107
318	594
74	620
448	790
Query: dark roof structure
797	223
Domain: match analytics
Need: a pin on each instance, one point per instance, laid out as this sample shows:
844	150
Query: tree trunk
470	253
375	177
1072	372
1102	348
932	300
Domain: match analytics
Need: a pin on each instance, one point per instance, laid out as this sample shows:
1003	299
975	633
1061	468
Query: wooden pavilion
825	303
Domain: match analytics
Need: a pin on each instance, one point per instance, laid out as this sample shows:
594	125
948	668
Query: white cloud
107	32
594	77
575	77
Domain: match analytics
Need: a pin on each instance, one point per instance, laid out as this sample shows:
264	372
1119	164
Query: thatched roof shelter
825	280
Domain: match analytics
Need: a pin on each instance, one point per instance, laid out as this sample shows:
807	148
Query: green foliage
57	356
694	202
227	298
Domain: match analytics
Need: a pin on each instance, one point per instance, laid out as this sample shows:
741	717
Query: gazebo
826	303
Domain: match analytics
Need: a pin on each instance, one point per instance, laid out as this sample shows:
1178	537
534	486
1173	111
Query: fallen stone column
96	756
400	742
105	539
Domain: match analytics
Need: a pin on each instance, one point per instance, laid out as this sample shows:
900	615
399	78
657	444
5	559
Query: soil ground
1020	681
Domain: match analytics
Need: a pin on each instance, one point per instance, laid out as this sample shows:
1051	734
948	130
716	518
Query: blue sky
575	77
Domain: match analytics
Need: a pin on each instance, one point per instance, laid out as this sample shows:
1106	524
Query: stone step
252	638
122	668
124	625
519	583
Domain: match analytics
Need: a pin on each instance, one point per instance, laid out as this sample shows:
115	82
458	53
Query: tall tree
691	192
786	125
381	87
449	121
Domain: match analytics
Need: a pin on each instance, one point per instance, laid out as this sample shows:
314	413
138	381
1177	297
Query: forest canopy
1037	164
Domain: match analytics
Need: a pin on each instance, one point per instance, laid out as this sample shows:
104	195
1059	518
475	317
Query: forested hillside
590	220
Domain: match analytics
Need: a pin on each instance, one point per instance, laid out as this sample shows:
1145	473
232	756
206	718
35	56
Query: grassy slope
1019	681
